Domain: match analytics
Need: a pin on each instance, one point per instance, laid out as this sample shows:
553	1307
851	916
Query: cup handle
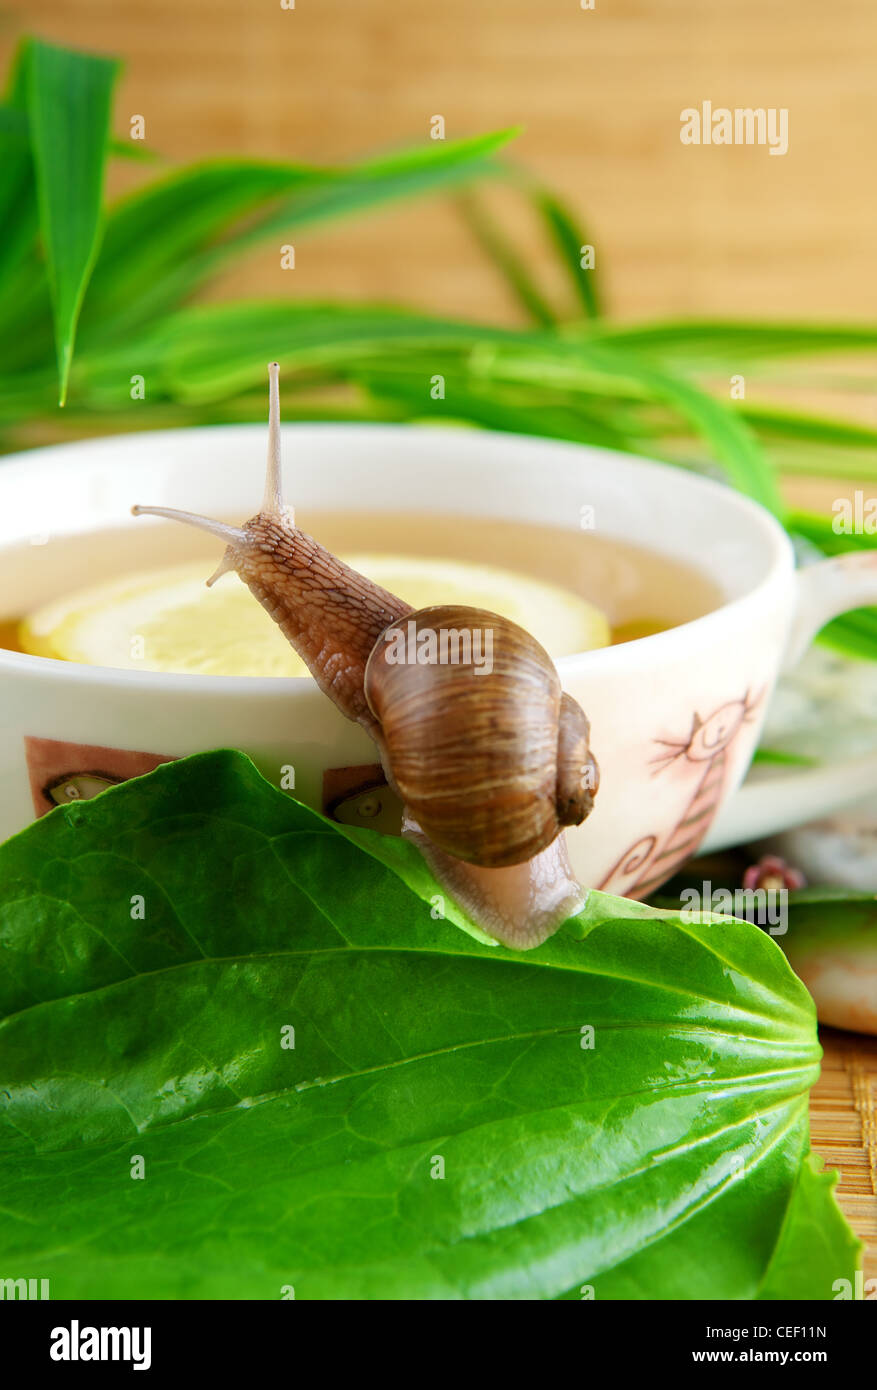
825	591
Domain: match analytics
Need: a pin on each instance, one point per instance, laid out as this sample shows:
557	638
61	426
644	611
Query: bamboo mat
843	1126
679	229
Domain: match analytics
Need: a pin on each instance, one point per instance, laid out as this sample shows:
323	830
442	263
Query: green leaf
422	169
854	634
823	919
18	206
667	1161
470	401
812	1221
717	344
830	939
733	444
797	425
209	352
69	107
820	530
773	757
507	261
569	240
132	149
164	241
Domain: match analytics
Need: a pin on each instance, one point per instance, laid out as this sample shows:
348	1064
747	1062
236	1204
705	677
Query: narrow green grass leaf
822	531
218	348
489	408
802	444
368	186
209	352
735	446
163	242
770	420
570	240
772	757
854	635
705	342
18	203
502	254
69	106
802	460
132	149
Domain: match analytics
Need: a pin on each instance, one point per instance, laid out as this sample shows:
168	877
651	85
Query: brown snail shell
491	763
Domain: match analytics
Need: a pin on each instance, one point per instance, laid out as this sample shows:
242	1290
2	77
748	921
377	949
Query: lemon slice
168	620
562	621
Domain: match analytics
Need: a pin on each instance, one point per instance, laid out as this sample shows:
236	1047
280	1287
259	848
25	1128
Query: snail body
489	757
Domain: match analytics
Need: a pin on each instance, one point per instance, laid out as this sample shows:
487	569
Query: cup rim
617	658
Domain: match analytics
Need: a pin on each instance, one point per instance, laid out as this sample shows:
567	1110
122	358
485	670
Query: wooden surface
678	229
843	1123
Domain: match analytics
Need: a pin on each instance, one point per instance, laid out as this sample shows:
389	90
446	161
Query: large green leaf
69	107
439	1129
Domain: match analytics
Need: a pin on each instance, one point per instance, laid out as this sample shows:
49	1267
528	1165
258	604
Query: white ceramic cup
675	717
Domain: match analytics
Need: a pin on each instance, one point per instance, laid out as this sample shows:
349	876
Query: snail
489	757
